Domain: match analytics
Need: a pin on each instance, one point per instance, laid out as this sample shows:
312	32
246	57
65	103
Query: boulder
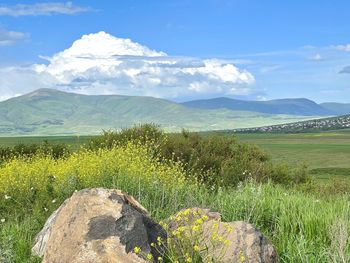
238	242
224	242
100	226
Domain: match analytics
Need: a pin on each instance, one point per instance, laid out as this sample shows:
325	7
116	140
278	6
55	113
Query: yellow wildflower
137	250
196	248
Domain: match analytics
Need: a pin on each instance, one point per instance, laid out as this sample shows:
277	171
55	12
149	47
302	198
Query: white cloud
8	38
103	64
316	57
343	47
42	9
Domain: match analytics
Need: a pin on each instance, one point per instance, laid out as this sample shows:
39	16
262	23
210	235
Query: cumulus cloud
8	38
103	64
42	9
345	70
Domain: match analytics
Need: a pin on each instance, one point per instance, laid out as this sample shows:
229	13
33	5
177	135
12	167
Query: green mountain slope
337	108
303	107
52	112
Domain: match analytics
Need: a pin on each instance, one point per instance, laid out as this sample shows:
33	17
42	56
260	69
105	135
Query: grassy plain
327	154
303	227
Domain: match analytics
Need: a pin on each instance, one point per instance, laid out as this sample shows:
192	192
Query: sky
178	50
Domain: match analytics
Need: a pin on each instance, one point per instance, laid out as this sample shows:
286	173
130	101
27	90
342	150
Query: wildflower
3	220
228	228
159	241
199	221
137	250
160	259
45	209
181	229
153	245
149	256
53	201
226	242
214	236
188	259
241	257
196	248
215	225
7	197
195	228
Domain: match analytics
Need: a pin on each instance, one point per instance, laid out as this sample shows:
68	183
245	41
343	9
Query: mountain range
52	112
303	107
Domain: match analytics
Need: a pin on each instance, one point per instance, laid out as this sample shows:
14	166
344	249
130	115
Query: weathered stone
98	225
224	242
238	242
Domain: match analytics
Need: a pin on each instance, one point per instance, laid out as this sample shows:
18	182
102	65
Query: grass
303	227
327	154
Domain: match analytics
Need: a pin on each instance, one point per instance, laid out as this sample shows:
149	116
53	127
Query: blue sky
249	49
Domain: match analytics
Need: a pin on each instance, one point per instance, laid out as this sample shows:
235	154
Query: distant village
334	123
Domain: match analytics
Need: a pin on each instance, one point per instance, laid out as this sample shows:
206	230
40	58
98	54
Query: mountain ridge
297	106
52	112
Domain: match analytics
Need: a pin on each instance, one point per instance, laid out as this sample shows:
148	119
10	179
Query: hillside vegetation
52	112
145	162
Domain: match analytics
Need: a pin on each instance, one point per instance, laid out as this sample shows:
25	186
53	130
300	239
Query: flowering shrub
212	159
192	237
43	177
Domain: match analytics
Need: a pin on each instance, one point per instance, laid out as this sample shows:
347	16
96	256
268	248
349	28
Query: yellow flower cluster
130	163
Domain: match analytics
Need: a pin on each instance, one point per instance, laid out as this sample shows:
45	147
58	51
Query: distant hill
303	107
337	108
52	112
324	124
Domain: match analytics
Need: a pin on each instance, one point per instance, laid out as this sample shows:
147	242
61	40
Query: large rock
224	242
100	226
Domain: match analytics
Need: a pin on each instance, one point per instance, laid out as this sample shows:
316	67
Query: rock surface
100	226
245	243
226	242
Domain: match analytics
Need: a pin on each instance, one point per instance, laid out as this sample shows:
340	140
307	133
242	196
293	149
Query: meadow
327	154
304	225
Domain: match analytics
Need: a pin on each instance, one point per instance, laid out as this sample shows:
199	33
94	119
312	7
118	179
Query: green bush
216	160
28	150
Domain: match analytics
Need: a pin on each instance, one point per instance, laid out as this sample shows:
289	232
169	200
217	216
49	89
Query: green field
307	221
327	154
